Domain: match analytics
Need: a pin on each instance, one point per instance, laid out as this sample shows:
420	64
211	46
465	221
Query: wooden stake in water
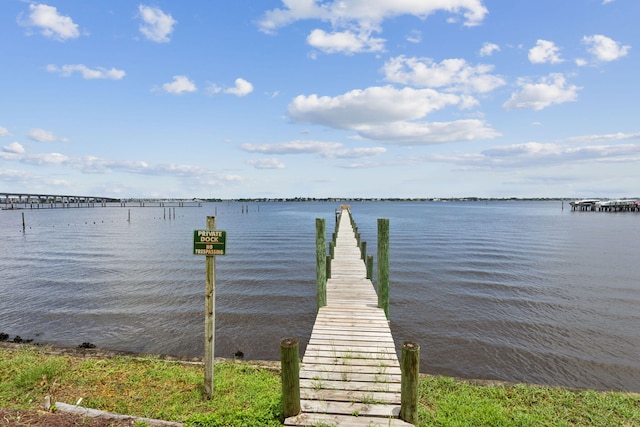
210	318
23	224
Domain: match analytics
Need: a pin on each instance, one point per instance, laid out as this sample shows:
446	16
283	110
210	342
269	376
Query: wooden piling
290	374
321	260
369	267
383	265
410	371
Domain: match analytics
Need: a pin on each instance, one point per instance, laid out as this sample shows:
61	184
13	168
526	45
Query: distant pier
593	205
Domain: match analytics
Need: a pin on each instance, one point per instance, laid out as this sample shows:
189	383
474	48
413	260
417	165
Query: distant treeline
384	199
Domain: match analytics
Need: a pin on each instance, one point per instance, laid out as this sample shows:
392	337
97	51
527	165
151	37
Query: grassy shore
249	395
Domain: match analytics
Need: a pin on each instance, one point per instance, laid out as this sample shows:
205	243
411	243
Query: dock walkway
350	374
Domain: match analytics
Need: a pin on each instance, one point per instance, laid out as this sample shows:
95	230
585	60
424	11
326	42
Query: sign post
209	242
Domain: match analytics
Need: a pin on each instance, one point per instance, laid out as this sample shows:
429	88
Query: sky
320	98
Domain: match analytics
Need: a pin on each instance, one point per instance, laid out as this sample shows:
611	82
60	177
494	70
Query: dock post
369	267
383	265
210	317
410	368
290	373
363	251
321	261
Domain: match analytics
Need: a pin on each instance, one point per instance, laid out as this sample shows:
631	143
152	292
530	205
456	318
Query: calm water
518	291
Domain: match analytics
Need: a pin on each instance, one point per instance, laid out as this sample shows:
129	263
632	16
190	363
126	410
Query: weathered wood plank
315	352
330	343
377	351
315	419
324	384
347	360
360	369
347	376
339	395
350	408
352	332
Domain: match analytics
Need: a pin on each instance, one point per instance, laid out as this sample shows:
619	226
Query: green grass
247	395
244	395
447	402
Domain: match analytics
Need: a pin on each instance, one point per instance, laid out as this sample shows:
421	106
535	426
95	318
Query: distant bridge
38	198
52	201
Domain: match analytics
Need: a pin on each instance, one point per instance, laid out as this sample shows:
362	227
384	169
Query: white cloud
323	149
556	153
545	52
581	62
266	164
549	90
356	153
390	115
242	88
86	72
50	23
345	42
179	85
619	136
14	148
45	159
368	12
11	175
373	105
4	132
537	154
97	165
455	75
488	49
360	18
294	11
415	36
412	133
292	147
156	25
42	135
605	49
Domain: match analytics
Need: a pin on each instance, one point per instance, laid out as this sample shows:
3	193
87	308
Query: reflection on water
519	291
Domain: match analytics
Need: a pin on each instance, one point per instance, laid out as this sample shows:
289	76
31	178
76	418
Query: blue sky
320	98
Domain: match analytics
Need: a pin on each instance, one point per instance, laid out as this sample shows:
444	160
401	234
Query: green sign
209	242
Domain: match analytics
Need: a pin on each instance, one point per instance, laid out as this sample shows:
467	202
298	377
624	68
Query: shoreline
99	353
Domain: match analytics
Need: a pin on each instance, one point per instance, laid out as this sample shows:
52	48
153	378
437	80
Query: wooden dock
350	374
